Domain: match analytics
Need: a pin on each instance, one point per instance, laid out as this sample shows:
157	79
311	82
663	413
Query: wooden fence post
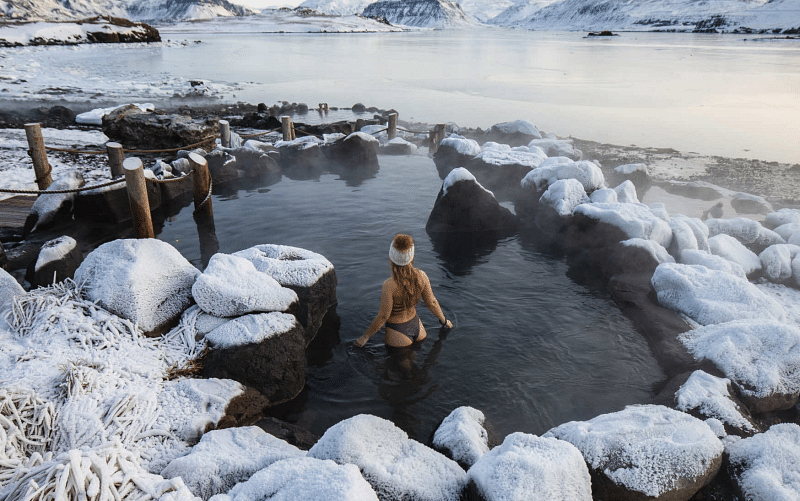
225	133
202	183
436	137
115	159
39	156
137	195
286	126
392	125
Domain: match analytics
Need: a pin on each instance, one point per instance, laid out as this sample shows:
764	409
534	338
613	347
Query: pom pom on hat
401	252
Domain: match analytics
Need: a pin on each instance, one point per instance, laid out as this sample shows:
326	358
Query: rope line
308	133
413	131
245	136
98	152
171	180
60	192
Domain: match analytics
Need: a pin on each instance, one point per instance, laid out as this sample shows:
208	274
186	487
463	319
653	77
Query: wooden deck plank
14	211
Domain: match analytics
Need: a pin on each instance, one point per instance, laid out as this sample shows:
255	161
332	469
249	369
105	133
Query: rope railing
61	192
413	131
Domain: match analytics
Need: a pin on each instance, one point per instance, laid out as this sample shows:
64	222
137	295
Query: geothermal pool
531	347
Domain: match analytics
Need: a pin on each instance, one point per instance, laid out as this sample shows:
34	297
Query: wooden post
225	133
202	183
286	126
137	195
392	125
39	156
115	159
436	137
360	123
291	129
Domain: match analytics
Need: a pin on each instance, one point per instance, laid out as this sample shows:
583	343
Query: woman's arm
430	300
383	315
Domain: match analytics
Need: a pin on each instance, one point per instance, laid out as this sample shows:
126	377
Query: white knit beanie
400	258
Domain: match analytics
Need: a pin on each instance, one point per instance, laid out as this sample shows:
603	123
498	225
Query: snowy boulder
358	151
462	436
760	356
634	220
645	452
788	230
711	296
231	286
131	126
50	209
656	250
397	467
604	196
516	133
398	146
9	289
255	163
222	167
781	262
563	196
501	167
463	205
454	151
553	147
530	467
745	203
588	173
302	158
781	217
226	457
200	321
712	262
688	233
303	478
58	259
265	351
638	169
706	396
766	466
146	281
626	193
310	275
745	230
111	204
734	251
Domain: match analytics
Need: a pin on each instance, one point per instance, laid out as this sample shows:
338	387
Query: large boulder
58	259
146	281
516	133
224	458
781	263
548	172
745	230
9	289
308	274
358	150
303	478
302	158
733	250
766	466
462	436
255	163
529	467
398	146
397	467
712	296
501	167
781	217
554	147
712	262
231	286
688	233
222	166
633	220
645	452
111	204
265	351
709	397
132	127
463	205
454	151
760	356
50	209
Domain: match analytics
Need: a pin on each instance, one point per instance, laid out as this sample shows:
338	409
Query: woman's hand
361	341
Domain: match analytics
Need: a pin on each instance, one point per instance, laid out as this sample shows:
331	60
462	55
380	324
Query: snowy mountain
672	15
420	13
140	10
337	7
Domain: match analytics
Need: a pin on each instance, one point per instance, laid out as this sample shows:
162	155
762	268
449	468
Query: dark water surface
530	348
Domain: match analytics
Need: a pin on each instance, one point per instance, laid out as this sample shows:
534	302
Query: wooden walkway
14	211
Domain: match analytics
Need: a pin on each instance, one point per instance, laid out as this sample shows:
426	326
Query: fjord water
728	95
531	347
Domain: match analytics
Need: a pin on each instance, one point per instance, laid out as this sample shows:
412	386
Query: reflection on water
531	348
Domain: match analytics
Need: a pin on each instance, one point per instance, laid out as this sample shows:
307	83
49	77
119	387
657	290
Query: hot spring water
531	348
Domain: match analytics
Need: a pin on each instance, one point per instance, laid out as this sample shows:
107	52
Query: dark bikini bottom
410	329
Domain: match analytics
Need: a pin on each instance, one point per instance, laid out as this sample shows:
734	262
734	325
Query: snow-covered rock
48	209
655	249
734	251
516	133
711	296
464	205
557	147
501	167
688	233
760	355
604	196
786	231
781	262
767	465
647	449
462	436
626	193
530	467
58	259
250	329
231	286
398	146
146	281
711	397
226	457
588	173
745	230
628	169
635	220
781	217
396	466
563	196
303	478
191	406
95	116
9	289
712	262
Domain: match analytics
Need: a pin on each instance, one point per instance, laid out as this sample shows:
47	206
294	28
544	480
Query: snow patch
711	397
250	329
563	196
